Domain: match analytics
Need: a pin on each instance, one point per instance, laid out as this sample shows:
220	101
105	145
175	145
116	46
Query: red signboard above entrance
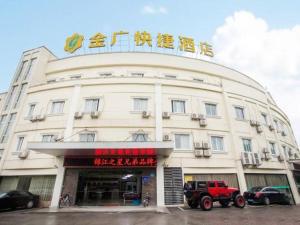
125	152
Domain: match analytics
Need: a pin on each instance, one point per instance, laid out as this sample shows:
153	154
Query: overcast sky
259	38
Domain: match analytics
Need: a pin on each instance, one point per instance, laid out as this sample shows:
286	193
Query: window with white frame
247	145
140	104
57	107
264	118
290	152
137	74
211	109
285	151
2	122
182	141
217	143
139	137
19	144
239	112
170	76
31	110
49	138
87	137
21	70
7	128
276	124
91	105
19	95
178	106
29	70
272	148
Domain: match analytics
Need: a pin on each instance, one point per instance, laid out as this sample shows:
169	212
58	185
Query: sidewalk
104	209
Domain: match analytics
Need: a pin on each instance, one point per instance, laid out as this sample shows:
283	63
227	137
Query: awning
161	148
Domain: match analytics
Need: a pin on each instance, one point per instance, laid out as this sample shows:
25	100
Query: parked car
18	199
204	193
266	195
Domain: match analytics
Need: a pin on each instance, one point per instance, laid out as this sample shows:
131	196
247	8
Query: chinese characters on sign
111	161
164	41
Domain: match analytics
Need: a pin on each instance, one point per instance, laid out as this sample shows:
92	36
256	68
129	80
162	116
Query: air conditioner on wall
256	159
40	117
198	153
194	116
197	145
166	137
203	122
271	127
166	115
33	118
207	153
24	154
205	145
146	114
78	115
253	123
280	157
283	133
246	158
259	129
95	114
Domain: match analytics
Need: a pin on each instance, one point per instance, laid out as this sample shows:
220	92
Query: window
211	184
182	141
137	74
21	91
57	107
19	145
170	76
28	72
264	118
139	137
178	106
105	74
198	80
217	143
140	104
211	109
21	71
7	128
87	137
272	148
285	151
31	110
10	97
247	145
2	122
276	125
74	77
239	112
221	184
290	153
91	105
49	138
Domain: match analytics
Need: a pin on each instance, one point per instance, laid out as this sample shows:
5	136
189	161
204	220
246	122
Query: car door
268	192
212	189
222	189
15	199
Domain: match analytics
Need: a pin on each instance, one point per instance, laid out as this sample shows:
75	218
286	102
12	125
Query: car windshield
2	194
255	189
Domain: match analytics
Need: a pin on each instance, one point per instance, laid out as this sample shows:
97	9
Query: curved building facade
108	128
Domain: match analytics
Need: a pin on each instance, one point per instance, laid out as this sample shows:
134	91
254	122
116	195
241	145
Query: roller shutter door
173	185
230	179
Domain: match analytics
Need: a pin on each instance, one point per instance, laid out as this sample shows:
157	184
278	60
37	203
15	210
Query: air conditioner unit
266	150
253	123
202	122
198	153
259	129
207	153
201	117
78	115
297	155
194	116
256	159
291	152
33	118
197	145
283	133
24	154
280	157
146	114
166	137
57	138
40	117
205	146
166	115
95	114
271	127
246	158
268	156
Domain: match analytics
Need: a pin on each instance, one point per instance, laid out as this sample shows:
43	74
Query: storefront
104	174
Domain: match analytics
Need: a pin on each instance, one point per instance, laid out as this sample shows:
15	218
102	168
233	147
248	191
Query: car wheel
266	201
29	204
224	203
206	203
239	201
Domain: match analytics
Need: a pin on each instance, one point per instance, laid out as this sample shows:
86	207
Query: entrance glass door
109	187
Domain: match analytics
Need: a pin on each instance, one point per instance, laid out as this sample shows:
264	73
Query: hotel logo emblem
73	43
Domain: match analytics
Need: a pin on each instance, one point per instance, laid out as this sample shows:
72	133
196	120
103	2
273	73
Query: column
160	190
58	182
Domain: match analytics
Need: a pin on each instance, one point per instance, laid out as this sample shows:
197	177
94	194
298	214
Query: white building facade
107	128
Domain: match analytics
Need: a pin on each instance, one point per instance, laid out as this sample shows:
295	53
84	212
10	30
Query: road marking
181	209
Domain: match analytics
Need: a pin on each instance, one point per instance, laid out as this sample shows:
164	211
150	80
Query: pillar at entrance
58	182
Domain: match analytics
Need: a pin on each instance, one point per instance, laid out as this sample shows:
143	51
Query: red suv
204	193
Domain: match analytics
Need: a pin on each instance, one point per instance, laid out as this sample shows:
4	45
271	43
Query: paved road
270	215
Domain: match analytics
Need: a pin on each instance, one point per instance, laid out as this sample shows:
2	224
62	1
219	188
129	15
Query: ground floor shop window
42	186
